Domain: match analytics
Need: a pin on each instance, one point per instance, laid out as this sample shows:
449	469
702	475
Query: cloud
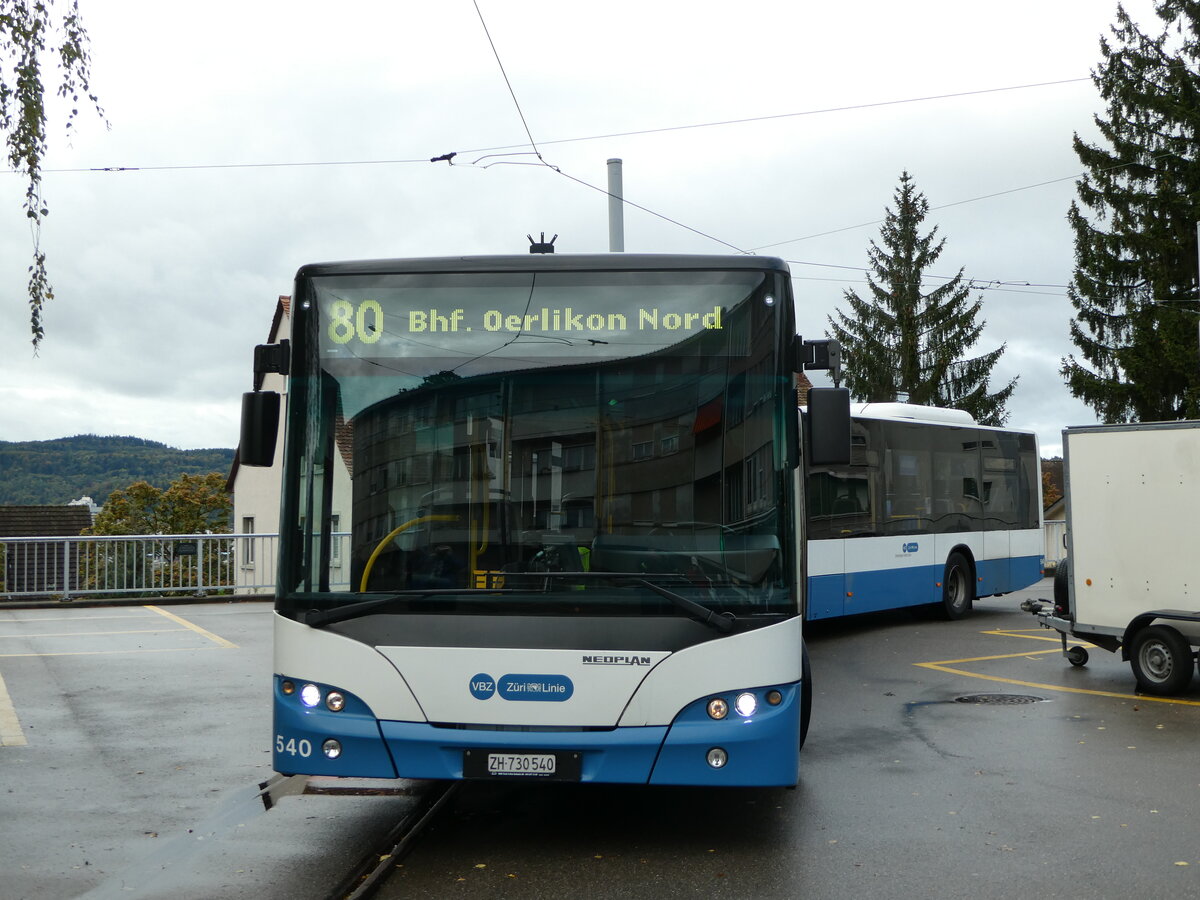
166	278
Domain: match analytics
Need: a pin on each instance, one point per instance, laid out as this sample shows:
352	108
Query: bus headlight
335	701
717	708
310	695
717	757
332	749
745	704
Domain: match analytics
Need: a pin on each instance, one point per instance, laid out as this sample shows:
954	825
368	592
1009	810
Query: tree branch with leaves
192	504
35	35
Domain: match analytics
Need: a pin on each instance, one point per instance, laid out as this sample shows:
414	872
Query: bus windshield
553	442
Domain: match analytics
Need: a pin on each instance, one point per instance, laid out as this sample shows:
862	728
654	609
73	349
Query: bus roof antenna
541	246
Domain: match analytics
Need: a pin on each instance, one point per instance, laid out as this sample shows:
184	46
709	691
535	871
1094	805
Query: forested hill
53	473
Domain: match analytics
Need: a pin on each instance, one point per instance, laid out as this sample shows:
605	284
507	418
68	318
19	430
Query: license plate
560	766
521	763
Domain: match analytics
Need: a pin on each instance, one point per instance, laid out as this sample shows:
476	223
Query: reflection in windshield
648	453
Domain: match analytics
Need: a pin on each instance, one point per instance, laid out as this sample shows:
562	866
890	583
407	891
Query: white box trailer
1131	579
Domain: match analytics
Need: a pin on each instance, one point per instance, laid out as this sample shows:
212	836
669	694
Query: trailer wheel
1161	659
958	588
805	692
1077	656
1062	591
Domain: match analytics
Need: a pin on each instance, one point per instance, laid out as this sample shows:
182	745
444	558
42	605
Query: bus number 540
293	747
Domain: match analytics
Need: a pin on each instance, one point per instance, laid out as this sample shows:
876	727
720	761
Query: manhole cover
999	699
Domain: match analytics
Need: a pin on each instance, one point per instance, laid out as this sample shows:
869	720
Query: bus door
1001	497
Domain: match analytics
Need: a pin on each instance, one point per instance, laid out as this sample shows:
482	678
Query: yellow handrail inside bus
362	586
480	483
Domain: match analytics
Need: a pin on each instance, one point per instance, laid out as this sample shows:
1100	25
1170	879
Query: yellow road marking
955	662
1059	688
53	634
23	620
220	641
109	652
1037	635
11	734
1033	634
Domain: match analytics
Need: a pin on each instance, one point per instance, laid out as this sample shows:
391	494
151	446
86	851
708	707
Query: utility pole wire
511	92
644	209
572	140
532	143
790	115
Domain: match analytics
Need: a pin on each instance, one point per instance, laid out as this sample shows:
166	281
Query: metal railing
68	568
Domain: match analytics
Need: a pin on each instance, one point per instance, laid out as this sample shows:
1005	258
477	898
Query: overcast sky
167	276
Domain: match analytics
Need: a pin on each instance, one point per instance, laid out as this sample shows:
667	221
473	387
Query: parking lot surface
945	759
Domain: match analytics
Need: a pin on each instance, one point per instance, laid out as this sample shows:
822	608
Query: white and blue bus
933	510
572	485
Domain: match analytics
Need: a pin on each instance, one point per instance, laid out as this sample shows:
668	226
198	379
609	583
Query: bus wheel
805	692
1161	659
958	589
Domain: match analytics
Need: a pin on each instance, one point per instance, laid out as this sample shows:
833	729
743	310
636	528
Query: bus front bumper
738	751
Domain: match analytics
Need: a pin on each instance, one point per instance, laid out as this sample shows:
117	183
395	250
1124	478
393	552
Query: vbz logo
909	547
482	686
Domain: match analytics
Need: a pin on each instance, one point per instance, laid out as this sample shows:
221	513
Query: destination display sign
365	322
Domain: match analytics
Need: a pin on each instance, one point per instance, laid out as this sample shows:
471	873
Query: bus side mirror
260	428
825	353
827	427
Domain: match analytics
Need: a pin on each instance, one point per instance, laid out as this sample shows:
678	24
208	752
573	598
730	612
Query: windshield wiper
320	618
722	622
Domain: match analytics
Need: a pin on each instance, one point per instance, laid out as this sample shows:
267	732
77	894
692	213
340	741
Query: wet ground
945	759
131	754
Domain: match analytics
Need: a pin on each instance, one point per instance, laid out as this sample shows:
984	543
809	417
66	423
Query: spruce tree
1135	282
903	340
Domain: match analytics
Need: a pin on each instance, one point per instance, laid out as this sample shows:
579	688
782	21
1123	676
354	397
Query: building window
579	457
248	545
643	450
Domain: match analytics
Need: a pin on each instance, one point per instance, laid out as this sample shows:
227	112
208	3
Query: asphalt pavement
945	759
134	744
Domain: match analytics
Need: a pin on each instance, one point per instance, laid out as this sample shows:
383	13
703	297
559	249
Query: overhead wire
541	160
491	152
1027	187
659	215
975	283
1002	287
511	92
790	115
985	285
570	140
